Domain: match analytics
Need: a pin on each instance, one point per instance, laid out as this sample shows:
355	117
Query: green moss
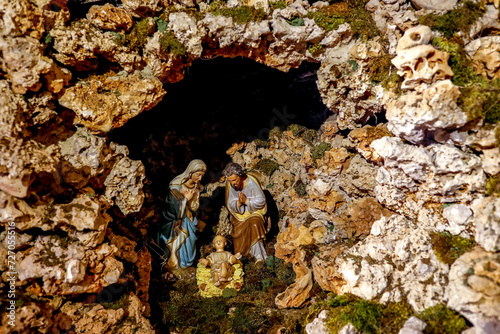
350	11
315	49
262	143
300	188
170	44
493	186
277	5
394	315
461	65
318	151
267	166
240	15
482	100
365	316
458	19
442	320
296	21
142	29
275	133
449	247
309	135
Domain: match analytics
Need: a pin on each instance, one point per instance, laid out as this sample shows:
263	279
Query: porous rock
417	115
487	222
474	289
109	17
434	4
109	102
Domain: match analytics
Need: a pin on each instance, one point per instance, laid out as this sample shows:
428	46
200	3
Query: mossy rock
170	44
459	19
267	166
442	320
318	151
449	247
240	15
300	188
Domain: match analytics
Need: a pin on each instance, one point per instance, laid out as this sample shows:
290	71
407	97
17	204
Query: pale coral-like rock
474	289
20	17
487	223
364	136
485	54
359	179
124	185
81	218
437	173
109	102
142	7
185	29
413	326
458	216
491	160
325	270
62	266
109	17
346	88
318	325
12	108
434	4
348	329
19	159
417	115
395	260
420	64
420	35
95	318
81	44
24	62
226	32
484	138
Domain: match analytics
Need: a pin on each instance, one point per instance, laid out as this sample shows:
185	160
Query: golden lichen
316	49
267	166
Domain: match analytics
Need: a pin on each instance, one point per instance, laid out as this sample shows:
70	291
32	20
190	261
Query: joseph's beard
238	188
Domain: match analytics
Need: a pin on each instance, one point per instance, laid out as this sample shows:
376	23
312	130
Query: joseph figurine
246	202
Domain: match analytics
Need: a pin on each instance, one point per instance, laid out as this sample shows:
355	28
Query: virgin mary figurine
178	230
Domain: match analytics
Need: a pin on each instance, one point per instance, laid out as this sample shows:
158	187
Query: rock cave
372	127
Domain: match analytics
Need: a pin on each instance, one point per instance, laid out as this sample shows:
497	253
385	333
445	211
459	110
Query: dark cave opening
219	102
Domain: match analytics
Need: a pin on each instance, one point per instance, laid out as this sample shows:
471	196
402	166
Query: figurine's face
235	181
197	176
219	243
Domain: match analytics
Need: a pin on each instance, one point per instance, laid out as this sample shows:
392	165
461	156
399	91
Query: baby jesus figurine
220	262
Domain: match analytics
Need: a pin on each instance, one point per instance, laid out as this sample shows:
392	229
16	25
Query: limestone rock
109	102
359	179
491	161
124	185
81	44
419	114
364	136
24	62
20	159
109	17
487	223
345	86
12	111
94	318
62	265
422	63
413	326
474	289
412	176
420	35
325	270
395	260
185	29
141	7
434	4
485	54
489	21
318	325
458	216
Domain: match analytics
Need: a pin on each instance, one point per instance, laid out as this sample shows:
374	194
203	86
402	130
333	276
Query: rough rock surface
428	109
101	105
434	4
413	326
412	175
487	223
474	289
485	54
109	17
345	86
